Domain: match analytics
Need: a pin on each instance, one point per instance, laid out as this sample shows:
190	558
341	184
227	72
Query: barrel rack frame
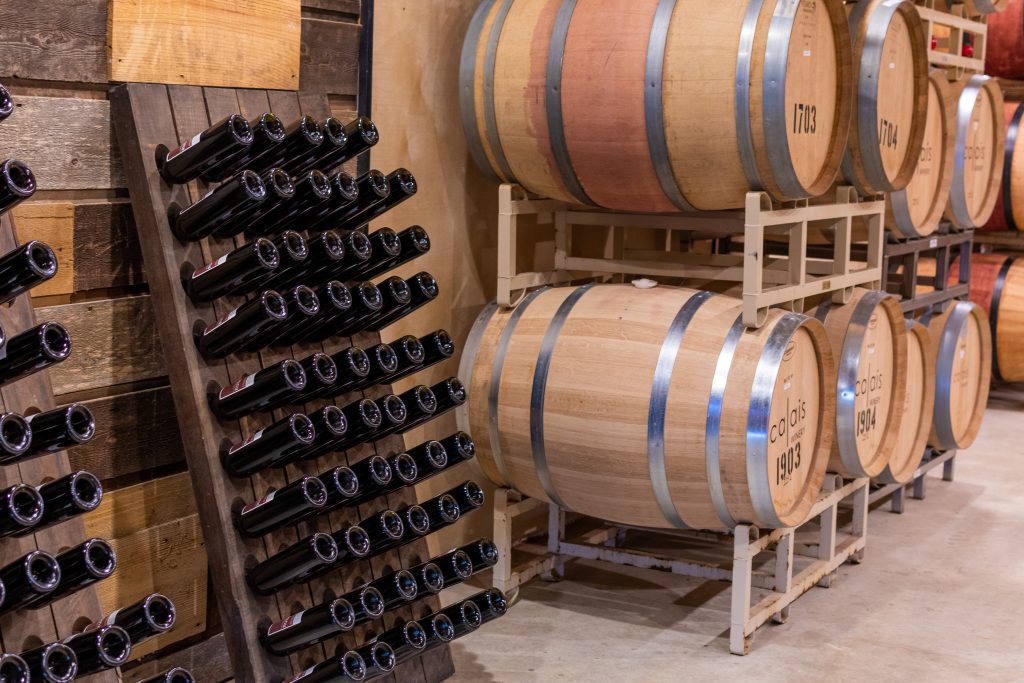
144	116
959	25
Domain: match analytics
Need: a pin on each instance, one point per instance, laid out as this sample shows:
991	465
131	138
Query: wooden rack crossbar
145	116
901	269
25	629
956	26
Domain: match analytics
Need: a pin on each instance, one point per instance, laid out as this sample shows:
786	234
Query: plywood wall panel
55	40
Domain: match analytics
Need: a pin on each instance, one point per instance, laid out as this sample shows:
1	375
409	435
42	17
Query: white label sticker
934	242
185	145
807	53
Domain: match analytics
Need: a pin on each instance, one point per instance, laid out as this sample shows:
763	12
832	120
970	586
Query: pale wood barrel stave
978	151
1009	210
963	352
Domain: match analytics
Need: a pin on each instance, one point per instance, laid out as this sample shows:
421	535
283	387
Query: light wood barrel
978	151
627	104
963	361
916	210
1004	53
918	407
890	57
1009	211
653	407
870	346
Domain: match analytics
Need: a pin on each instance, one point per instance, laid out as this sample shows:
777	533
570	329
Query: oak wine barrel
890	61
1004	52
978	152
963	361
658	105
918	406
870	347
917	210
1009	211
653	407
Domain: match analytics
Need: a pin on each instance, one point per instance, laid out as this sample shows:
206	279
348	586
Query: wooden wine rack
144	116
25	629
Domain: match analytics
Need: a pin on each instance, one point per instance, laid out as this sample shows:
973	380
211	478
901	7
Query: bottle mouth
15	433
360	245
86	490
488	552
42	571
394	409
448	507
114	646
445	343
414	350
240	129
383	656
427	284
358	361
100	558
346	482
473	494
400	290
335	132
419	520
346	186
425	399
296	245
279	180
274	127
391	524
372	601
420	239
380	470
334	420
294	375
357	540
415	635
333	244
405	582
370	295
343	614
443	628
41	258
13	668
302	428
462	564
60	663
160	613
26	505
339	295
370	413
471	615
353	666
275	305
390	242
405	468
324	547
406	181
465	445
437	456
497	601
56	341
253	185
179	675
433	578
19	177
267	253
387	359
368	130
6	107
320	184
314	491
311	130
378	184
324	368
457	390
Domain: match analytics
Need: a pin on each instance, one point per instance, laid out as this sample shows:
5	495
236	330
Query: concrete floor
939	597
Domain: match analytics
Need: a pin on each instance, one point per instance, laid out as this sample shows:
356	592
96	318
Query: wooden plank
207	658
329	56
106	246
342	7
53	223
54	41
81	155
135	432
114	342
186	41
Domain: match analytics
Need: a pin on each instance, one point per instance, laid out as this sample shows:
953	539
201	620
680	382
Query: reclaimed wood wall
54	59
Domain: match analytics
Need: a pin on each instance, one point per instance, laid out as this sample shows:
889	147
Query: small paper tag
285	623
243	383
185	145
209	266
248	440
262	501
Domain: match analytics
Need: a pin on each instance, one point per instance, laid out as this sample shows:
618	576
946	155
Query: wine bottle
242	326
367	301
429	579
342	485
281	190
61	428
301	143
326	252
25	267
15	437
335	139
353	366
335	300
71	495
6	109
459	446
492	604
265	389
429	455
100	650
309	627
401	186
395	588
294	256
368	603
410	354
149	617
374	475
175	675
281	507
81	566
359	134
340	669
440	630
303	306
384	362
465	616
293	564
456	566
28	578
448	394
222	209
322	374
192	158
422	289
386	249
34	349
330	424
267	131
358	251
420	404
271	446
344	192
412	242
397	295
379	657
394	414
312	193
442	511
468	495
21	508
12	667
17	183
372	188
482	553
363	417
437	346
385	529
52	663
405	640
404	468
237	272
415	519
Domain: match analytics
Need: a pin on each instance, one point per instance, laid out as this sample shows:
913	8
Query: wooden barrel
627	104
653	407
916	210
1004	52
890	57
1009	211
978	151
918	406
870	346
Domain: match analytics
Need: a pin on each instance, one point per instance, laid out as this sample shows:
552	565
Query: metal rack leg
947	469
556	533
742	569
898	500
783	573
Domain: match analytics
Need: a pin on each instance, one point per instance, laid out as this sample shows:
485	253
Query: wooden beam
54	41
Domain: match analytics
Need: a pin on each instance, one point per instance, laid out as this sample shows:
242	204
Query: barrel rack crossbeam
901	269
766	280
897	492
798	558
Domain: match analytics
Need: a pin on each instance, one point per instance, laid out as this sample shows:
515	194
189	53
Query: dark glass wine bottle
243	326
422	289
420	404
367	301
344	193
396	296
375	477
429	579
153	615
353	366
372	189
401	186
276	445
294	257
406	640
281	190
52	663
312	193
456	566
15	437
33	350
492	604
448	394
385	530
13	667
326	252
360	135
302	142
321	372
437	346
267	131
25	267
6	103
440	630
468	495
384	362
266	389
404	468
17	183
429	455
222	210
293	564
342	485
335	300
71	495
410	243
81	566
61	428
459	446
411	356
442	510
396	588
27	579
415	519
176	675
367	602
379	657
205	150
331	425
21	508
394	414
309	627
386	248
358	251
303	306
100	650
281	507
465	616
237	272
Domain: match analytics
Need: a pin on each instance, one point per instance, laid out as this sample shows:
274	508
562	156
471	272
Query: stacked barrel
656	406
